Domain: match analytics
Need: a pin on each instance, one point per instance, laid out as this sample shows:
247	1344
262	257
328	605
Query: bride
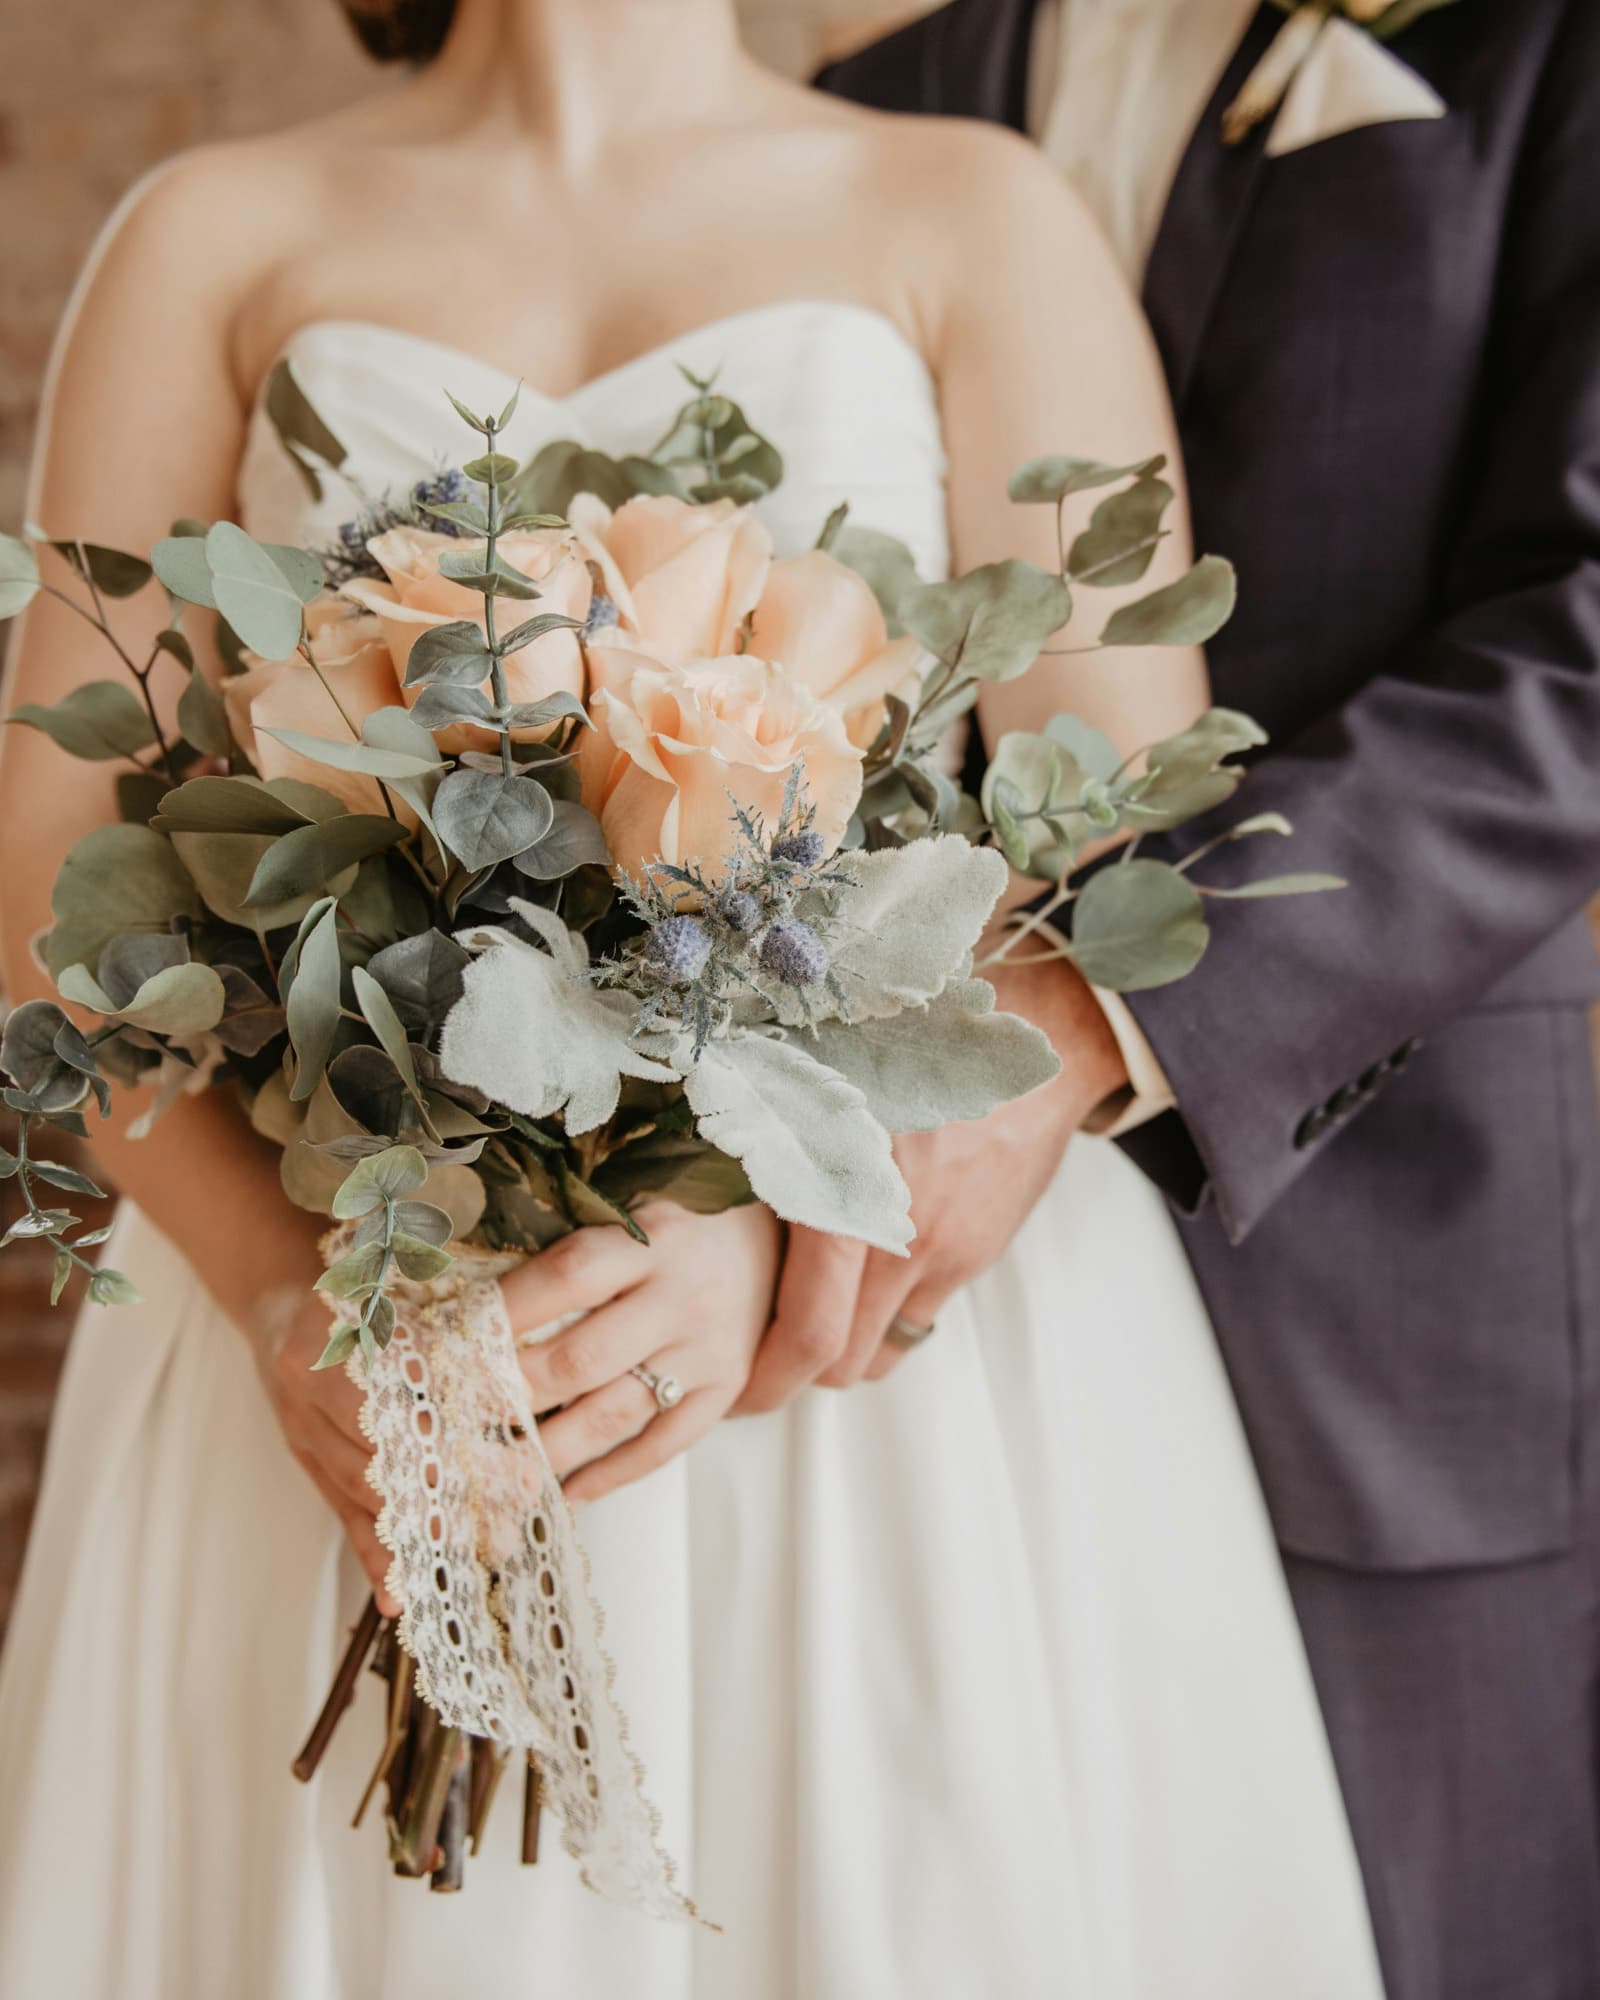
981	1680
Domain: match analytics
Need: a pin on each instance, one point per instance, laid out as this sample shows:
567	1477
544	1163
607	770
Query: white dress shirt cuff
1147	1092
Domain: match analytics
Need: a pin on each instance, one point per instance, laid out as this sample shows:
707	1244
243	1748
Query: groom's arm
1459	791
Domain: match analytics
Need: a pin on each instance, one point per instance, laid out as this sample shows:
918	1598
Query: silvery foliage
534	1032
803	1088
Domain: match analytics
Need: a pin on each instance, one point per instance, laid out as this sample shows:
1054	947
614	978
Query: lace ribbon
498	1610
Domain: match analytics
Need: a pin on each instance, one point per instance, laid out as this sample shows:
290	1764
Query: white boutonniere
1291	48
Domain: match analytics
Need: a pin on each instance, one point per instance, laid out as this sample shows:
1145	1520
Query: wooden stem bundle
439	1783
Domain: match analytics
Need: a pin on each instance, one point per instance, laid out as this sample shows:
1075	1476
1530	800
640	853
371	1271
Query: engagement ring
667	1389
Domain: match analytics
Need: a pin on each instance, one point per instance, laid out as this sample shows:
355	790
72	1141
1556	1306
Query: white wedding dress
982	1682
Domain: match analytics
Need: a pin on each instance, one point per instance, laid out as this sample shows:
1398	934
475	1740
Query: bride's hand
318	1412
693	1305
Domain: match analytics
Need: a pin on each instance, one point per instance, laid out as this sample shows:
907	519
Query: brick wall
91	97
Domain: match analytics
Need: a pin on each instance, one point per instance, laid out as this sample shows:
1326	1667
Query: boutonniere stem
1268	83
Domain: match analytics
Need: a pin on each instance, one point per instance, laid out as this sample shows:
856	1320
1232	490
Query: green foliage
312	982
1137	924
992	623
301	431
97	721
1185	613
19	576
1049	481
1120	542
116	880
485	817
886	565
309	860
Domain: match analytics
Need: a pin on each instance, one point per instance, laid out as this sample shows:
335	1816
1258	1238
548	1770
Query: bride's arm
144	423
1039	347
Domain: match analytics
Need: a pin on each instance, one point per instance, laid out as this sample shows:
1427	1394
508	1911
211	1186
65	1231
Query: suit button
1312	1127
1345	1099
1404	1053
1379	1072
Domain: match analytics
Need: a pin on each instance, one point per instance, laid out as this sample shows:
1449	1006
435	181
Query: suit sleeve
1458	792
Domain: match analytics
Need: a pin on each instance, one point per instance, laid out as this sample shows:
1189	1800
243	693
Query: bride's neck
568	73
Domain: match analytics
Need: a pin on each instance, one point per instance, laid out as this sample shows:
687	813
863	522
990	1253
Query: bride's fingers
598	1350
597	1424
666	1434
346	1465
577	1274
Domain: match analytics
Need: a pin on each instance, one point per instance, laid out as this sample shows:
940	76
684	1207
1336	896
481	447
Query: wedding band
906	1334
667	1389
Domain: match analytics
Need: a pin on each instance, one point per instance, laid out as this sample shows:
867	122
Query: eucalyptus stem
497	671
97	618
1035	921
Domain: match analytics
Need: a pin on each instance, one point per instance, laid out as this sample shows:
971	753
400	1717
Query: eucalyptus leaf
533	629
111	1288
181	563
1048	481
19	576
116	879
885	564
424	1222
484	817
180	1001
97	721
456	653
300	428
313	999
391	1175
1120	542
29	1056
385	1023
1185	613
354	1276
441	706
67	1179
253	593
548	485
364	758
223	867
203	718
239	805
492	469
466	567
113	572
422	977
1278	885
992	623
308	860
1137	924
573	840
419	1261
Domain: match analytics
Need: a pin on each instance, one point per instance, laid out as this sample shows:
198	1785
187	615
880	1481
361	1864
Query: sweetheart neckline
748	315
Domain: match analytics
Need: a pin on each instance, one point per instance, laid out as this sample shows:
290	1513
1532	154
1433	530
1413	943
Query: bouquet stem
341	1694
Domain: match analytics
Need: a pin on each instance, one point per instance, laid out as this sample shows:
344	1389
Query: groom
1378	303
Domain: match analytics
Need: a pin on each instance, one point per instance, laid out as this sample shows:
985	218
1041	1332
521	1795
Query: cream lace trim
498	1610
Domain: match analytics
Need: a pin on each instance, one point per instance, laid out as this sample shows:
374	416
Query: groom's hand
972	1188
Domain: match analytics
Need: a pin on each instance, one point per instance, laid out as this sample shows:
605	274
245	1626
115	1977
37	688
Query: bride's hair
401	30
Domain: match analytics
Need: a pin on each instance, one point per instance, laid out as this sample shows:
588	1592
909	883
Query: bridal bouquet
552	846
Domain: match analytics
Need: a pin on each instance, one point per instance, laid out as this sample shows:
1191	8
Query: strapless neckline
402	339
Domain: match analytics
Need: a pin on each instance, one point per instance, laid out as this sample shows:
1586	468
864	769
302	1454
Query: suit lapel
1204	216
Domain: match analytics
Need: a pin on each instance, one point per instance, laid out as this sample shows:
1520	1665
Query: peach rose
350	650
821	621
417	598
672	743
684	579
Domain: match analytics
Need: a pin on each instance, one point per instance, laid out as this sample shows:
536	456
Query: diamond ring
667	1389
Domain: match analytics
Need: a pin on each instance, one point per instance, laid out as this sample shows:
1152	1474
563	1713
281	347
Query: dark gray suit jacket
1384	351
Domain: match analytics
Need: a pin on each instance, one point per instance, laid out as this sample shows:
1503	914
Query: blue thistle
603	615
448	489
679	949
792	951
800	850
741	911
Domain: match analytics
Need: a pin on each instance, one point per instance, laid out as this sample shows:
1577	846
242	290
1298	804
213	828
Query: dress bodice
837	387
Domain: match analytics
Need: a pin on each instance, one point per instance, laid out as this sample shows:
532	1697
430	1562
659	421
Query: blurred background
91	97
